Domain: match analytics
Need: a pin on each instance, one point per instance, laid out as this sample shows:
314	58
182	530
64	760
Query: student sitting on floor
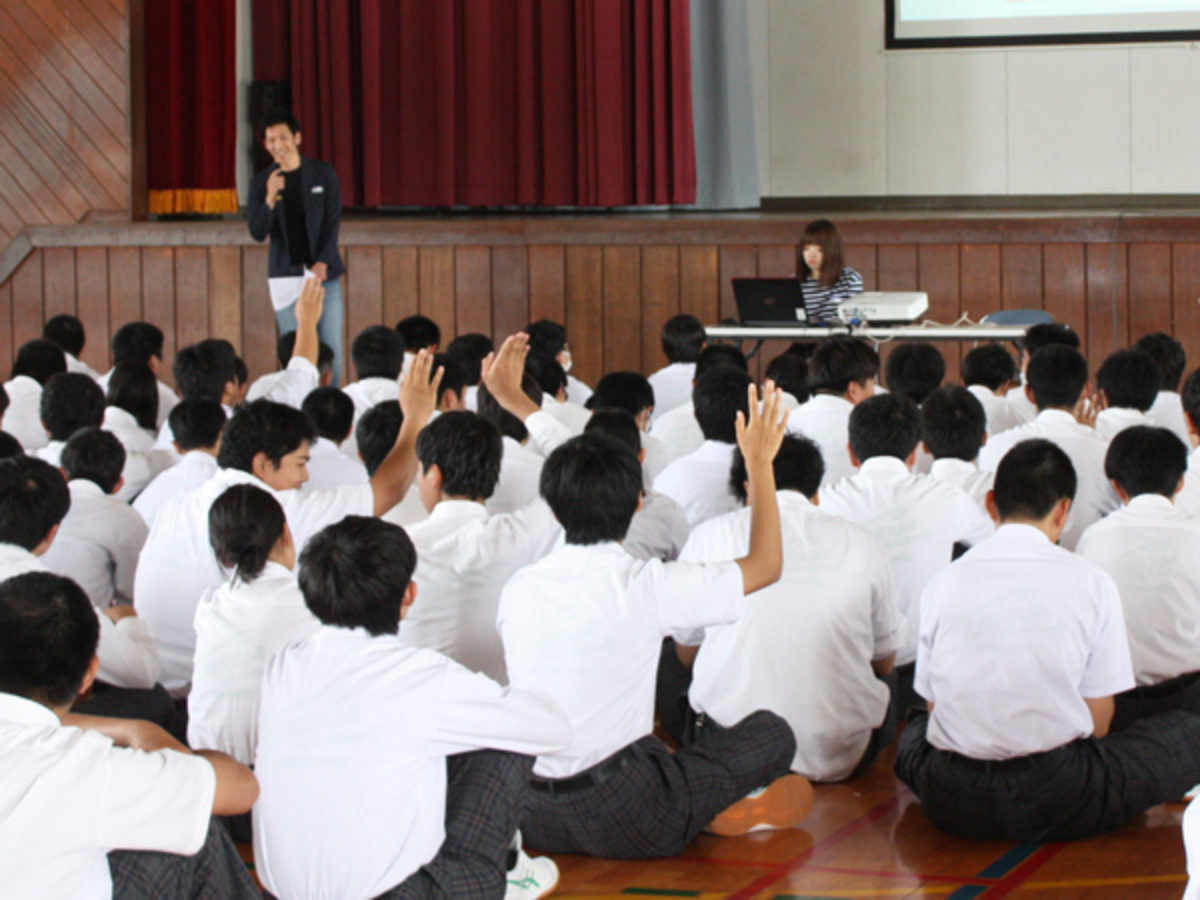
1022	648
197	426
99	540
469	351
953	429
789	371
142	342
332	415
292	382
677	429
204	371
683	338
66	332
1169	357
988	372
419	333
1127	383
547	338
464	553
1151	549
378	355
86	797
521	465
131	412
1047	334
914	370
815	646
1188	498
241	624
36	363
553	381
631	392
380	764
586	624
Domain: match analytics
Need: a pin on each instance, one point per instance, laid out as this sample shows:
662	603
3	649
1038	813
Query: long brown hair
825	235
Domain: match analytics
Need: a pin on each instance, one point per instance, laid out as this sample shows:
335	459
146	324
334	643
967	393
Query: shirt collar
948	465
458	509
1150	504
1058	419
1020	533
12	553
834	401
883	468
84	487
23	711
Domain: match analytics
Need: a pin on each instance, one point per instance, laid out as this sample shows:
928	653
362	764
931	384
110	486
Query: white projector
882	307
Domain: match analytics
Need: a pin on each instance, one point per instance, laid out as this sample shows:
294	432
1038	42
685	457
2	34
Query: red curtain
489	102
191	105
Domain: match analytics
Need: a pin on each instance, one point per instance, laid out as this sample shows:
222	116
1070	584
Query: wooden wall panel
58	281
27	300
225	295
6	347
158	299
1065	279
660	301
735	262
1185	288
124	298
435	267
547	284
938	265
897	268
401	291
584	276
92	305
863	258
700	282
191	295
363	293
979	274
1021	276
259	331
472	292
1149	289
510	291
622	291
1107	303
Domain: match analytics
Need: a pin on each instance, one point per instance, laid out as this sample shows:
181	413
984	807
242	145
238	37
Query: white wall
836	115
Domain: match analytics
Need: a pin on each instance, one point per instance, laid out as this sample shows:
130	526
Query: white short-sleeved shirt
658	530
1094	496
1112	421
78	366
825	420
520	473
329	467
803	648
1151	550
139	469
167	398
577	392
916	519
965	476
572	415
1013	636
1022	407
353	737
177	564
672	386
699	482
1191	843
124	427
464	557
657	457
368	392
678	430
290	385
23	418
586	625
239	626
69	796
1188	499
195	468
1000	412
97	544
1167	412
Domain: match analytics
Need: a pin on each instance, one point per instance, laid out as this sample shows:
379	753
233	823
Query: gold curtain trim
193	200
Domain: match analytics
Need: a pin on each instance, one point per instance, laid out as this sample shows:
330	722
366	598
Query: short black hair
244	525
1168	354
263	427
953	423
66	332
133	388
353	574
717	397
10	446
33	499
50	633
915	369
1056	374
1048	334
630	391
376	433
378	352
593	485
241	373
798	467
419	332
454	378
509	425
197	424
331	412
547	372
203	369
1032	477
40	360
278	117
683	337
716	355
96	456
546	337
1190	397
286	346
839	362
469	351
1146	460
1129	379
4	400
618	425
467	449
70	401
137	342
884	425
990	365
789	371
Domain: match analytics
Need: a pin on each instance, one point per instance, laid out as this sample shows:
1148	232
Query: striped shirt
821	301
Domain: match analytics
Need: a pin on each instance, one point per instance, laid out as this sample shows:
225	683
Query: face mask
566	360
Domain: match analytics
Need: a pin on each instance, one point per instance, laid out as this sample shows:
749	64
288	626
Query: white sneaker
531	877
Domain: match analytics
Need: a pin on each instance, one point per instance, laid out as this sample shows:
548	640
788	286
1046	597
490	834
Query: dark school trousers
1181	692
646	802
216	872
1079	790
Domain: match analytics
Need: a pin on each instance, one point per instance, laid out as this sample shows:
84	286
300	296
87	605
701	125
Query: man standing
298	203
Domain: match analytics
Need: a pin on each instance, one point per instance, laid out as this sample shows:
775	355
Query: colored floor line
832	840
1009	861
902	873
1014	879
1115	881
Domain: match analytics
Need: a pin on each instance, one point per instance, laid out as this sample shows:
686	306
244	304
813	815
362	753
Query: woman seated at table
826	280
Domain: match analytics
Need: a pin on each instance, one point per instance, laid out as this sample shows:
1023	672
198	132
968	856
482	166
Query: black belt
597	774
1163	689
994	765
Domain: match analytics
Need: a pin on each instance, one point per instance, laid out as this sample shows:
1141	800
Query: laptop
767	302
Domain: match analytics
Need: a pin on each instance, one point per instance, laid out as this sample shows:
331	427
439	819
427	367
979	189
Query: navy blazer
322	216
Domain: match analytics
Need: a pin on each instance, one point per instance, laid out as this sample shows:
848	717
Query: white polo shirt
1151	550
1112	421
965	476
520	472
1094	496
177	563
1167	412
289	385
825	420
658	530
672	386
77	365
464	557
1013	636
678	430
1001	413
916	519
23	418
329	467
1188	499
353	737
699	482
368	392
97	544
577	392
125	428
193	469
586	625
69	797
572	415
803	648
1022	407
239	626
